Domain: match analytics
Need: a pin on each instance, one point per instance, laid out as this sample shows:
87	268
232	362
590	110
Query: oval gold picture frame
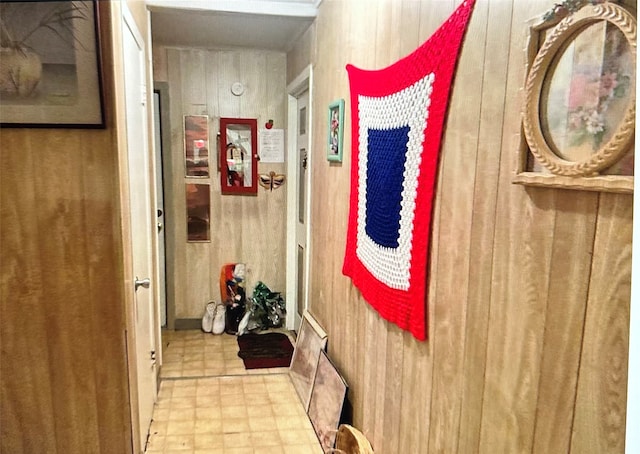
564	32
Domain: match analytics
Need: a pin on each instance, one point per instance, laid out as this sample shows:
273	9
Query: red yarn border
437	55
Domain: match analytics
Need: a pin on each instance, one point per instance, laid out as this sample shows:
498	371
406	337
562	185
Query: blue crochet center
386	156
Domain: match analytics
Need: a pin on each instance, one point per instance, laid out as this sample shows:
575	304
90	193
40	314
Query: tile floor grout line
195	377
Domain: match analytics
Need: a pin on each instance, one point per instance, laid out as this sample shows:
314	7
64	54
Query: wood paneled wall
249	229
529	288
300	56
63	369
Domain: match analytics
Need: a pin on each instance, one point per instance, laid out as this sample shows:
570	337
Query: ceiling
256	24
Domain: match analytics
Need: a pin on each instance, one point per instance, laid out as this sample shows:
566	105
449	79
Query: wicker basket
350	440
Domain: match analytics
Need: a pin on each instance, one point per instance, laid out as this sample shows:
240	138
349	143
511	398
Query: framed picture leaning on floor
311	340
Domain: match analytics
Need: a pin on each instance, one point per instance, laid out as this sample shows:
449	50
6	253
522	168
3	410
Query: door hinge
144	95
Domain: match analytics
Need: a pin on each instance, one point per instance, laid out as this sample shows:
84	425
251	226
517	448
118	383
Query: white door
142	220
299	133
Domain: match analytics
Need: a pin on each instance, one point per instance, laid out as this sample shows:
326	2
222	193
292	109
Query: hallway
209	404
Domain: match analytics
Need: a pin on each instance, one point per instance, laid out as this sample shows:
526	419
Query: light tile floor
208	403
199	354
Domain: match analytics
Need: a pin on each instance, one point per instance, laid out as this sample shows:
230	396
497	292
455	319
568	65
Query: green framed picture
335	127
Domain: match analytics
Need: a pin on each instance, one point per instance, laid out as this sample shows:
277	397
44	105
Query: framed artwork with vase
51	73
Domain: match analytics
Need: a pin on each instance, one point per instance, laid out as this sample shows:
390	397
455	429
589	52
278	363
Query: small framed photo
50	76
198	209
336	127
196	145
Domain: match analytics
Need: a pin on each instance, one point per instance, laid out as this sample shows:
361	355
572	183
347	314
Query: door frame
120	16
162	88
302	83
157	325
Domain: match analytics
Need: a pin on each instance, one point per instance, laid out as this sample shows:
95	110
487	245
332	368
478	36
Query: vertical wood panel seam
495	214
45	349
433	296
87	278
128	390
544	333
584	326
495	209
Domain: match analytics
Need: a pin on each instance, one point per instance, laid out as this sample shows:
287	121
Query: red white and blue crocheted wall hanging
397	120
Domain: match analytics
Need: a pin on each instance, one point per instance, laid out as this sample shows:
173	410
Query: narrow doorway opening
162	144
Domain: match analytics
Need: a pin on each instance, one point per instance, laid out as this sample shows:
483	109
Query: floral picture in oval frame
579	114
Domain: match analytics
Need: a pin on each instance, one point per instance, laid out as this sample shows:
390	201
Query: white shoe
239	272
207	319
219	319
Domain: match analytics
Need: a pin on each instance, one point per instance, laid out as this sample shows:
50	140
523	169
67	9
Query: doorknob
146	282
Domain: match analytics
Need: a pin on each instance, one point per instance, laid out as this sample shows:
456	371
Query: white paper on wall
271	146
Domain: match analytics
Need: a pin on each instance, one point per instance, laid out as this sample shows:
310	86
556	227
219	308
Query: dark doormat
260	351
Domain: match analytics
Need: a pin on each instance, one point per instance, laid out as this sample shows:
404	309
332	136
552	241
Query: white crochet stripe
408	107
